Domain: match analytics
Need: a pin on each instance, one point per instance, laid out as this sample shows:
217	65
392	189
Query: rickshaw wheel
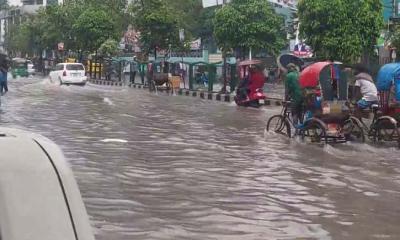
315	131
279	124
353	130
386	130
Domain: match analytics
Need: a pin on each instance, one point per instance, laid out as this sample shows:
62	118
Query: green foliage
80	24
205	24
249	24
108	48
157	24
115	9
394	37
343	30
18	38
187	13
92	28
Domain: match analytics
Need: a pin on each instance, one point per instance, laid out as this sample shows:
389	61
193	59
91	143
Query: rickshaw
19	67
249	93
327	117
386	121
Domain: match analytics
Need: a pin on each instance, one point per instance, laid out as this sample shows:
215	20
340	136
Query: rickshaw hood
387	75
309	77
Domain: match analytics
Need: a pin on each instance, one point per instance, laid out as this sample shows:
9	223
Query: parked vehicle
250	92
69	73
40	198
19	67
31	68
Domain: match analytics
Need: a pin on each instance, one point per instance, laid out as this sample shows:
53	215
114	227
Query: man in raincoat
294	93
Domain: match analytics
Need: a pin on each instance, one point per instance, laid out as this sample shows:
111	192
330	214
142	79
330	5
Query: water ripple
158	167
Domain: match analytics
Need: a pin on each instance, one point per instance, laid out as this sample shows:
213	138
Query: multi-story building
391	9
18	9
31	6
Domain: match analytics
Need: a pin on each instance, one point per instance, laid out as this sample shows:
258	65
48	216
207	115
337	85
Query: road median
212	96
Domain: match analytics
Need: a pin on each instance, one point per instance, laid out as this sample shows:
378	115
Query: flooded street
158	167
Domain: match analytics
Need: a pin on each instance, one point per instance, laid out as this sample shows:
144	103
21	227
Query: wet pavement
158	167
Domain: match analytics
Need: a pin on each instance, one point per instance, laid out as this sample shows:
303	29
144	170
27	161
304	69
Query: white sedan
69	73
31	68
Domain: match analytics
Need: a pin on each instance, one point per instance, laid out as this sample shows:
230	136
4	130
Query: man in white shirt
365	86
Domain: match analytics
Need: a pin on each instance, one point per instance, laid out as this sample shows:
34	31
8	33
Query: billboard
302	50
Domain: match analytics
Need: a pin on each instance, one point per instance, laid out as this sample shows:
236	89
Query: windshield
75	67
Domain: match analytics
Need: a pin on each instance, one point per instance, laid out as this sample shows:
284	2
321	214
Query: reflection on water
158	167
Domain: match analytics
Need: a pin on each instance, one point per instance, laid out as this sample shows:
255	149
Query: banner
196	44
302	50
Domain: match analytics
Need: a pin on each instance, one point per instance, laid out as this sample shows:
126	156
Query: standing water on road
158	167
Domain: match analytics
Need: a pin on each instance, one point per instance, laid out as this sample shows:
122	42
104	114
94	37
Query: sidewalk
274	93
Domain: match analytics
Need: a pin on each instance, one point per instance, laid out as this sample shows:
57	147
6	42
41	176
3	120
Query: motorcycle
250	92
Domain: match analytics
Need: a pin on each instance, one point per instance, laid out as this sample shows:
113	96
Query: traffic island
213	96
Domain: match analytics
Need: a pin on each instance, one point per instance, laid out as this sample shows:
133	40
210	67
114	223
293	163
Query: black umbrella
284	59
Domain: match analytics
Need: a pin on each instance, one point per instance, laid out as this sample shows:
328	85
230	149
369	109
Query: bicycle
383	127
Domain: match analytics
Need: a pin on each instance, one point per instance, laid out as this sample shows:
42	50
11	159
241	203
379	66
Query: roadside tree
344	30
158	25
108	48
92	28
249	24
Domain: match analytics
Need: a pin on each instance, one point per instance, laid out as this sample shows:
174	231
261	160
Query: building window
52	2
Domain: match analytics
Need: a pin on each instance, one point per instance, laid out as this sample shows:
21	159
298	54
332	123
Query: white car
31	68
69	73
39	197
